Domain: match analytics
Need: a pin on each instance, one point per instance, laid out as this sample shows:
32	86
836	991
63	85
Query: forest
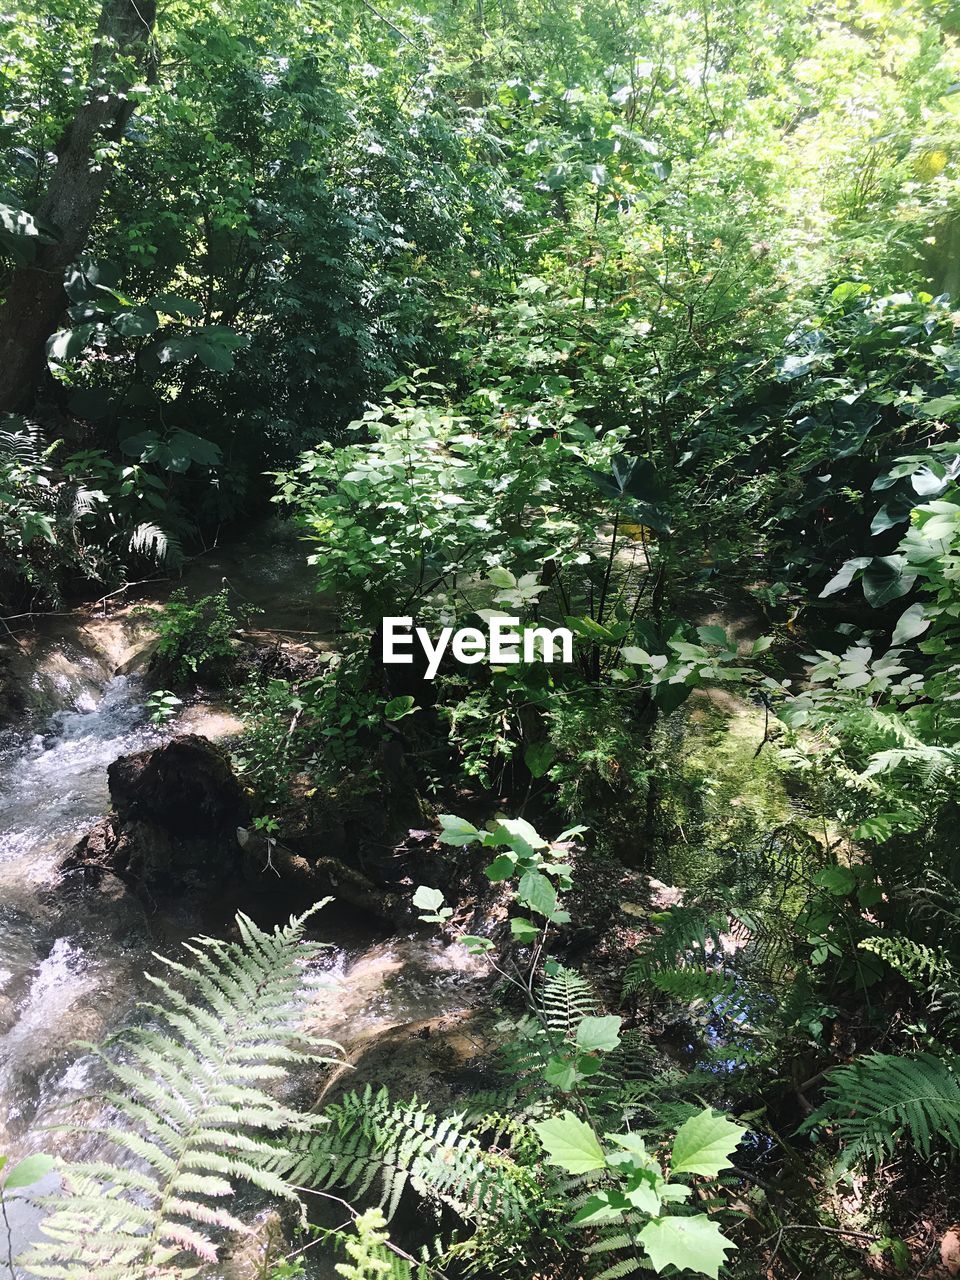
340	344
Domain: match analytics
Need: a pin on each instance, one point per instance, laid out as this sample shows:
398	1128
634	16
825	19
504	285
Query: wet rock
186	787
438	1059
173	830
252	1256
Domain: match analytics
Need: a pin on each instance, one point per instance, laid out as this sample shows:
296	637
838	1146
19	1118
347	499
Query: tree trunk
35	298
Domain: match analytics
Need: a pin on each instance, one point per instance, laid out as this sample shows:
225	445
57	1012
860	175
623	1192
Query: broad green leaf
887	578
913	622
68	344
457	831
561	1073
524	931
519	835
427	899
695	1243
397	708
570	1144
603	1206
501	868
538	758
845	576
836	880
536	892
599	1034
135	324
28	1171
168	304
704	1144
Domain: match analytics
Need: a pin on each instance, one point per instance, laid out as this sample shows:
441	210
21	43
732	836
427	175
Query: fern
371	1141
917	964
155	543
686	933
614	1239
189	1108
370	1255
23	444
694	986
880	1099
566	999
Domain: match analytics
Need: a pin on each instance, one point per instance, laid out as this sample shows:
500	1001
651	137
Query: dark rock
173	830
186	787
276	869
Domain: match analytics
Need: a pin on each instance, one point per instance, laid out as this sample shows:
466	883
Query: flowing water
71	965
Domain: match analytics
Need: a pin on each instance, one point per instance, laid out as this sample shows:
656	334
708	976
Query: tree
35	295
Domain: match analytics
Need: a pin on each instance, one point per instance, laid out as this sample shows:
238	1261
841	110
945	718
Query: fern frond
370	1140
921	966
879	1099
157	544
693	986
565	1000
187	1116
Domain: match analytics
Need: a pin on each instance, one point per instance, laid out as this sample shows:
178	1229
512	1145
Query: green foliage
195	638
189	1113
880	1099
625	1184
320	727
370	1258
162	706
82	517
370	1141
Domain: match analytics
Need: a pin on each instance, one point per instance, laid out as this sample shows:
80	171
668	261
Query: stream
71	965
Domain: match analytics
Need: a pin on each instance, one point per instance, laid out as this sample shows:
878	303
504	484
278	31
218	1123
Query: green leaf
560	1073
604	1206
427	899
913	622
184	448
501	868
519	835
570	1144
135	324
538	758
838	881
940	407
168	304
475	945
397	708
457	831
887	578
600	1034
845	576
536	892
28	1171
525	931
695	1243
68	344
704	1144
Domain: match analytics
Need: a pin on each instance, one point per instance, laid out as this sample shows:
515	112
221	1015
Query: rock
173	830
252	1256
273	867
186	787
439	1059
